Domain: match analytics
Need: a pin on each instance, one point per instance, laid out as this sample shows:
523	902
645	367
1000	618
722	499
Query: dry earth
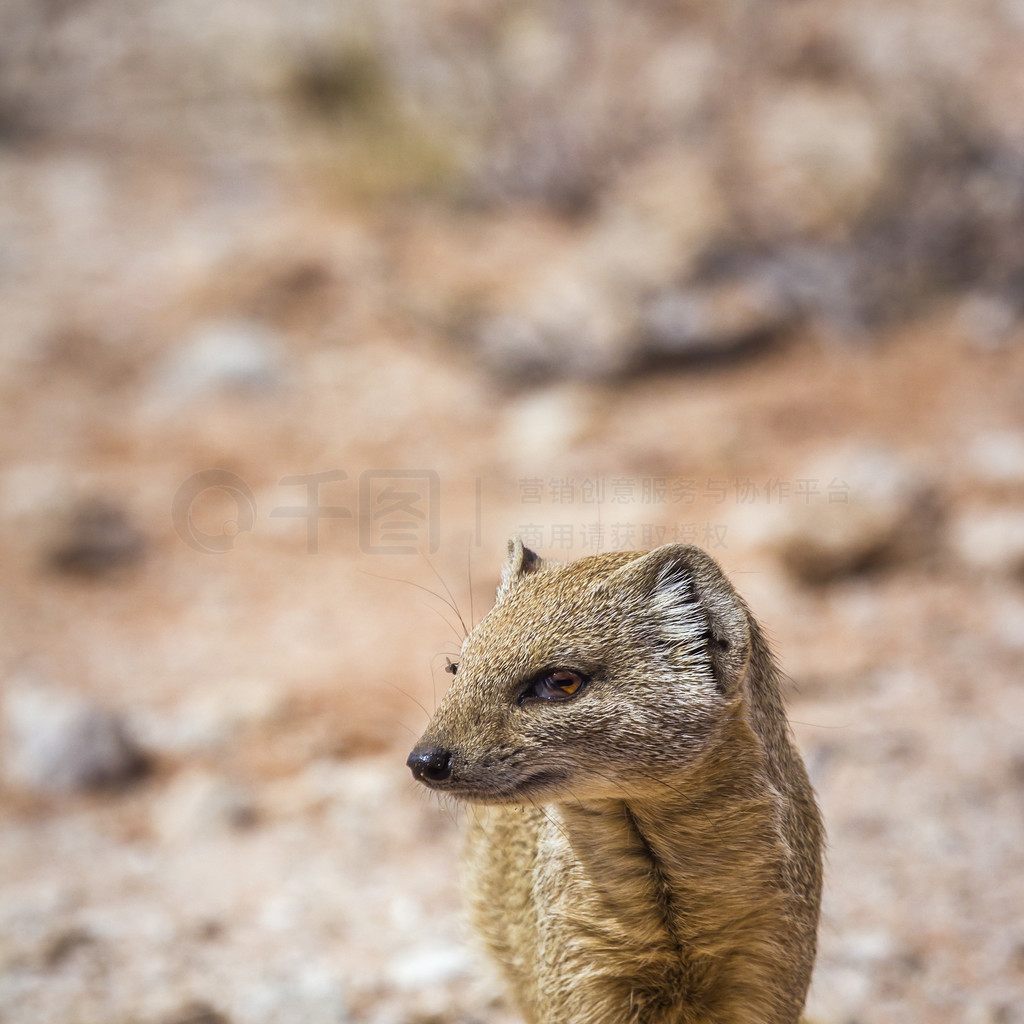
205	813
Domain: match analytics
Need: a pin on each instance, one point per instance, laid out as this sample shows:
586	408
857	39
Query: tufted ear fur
695	605
521	562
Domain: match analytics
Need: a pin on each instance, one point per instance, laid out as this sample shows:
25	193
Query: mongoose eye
558	685
452	666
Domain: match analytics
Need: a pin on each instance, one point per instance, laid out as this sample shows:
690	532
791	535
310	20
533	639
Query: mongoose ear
696	606
521	562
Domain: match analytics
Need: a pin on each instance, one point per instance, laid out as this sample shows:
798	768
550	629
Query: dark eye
452	666
561	684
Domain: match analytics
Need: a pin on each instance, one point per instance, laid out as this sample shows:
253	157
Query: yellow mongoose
649	851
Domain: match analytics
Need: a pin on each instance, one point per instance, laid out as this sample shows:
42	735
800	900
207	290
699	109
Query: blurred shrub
862	155
871	156
358	132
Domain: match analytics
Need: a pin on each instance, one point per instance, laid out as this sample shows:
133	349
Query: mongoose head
589	679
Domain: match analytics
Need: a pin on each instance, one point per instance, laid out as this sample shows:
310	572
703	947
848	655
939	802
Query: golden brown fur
647	851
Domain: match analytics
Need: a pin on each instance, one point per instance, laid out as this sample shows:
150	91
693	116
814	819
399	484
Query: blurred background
304	308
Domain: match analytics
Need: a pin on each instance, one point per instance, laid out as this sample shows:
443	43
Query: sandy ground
164	316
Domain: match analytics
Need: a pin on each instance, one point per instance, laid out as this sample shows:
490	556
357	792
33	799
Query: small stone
33	908
1008	624
714	322
232	356
65	944
209	719
990	540
662	213
817	159
571	324
32	490
310	992
197	1013
539	427
98	539
200	804
514	347
998	457
982	1011
428	965
57	741
865	509
987	321
316	786
869	946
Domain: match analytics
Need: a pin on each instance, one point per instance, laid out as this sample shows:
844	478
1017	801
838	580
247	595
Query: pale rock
1008	623
309	992
869	509
221	357
570	324
715	321
513	347
57	741
198	804
208	719
428	965
997	457
990	540
541	426
576	317
849	986
986	321
874	946
983	1011
32	490
657	218
321	783
31	908
818	158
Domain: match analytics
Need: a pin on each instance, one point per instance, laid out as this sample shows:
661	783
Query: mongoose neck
690	876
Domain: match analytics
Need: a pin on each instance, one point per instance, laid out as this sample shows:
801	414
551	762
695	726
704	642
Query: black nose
430	764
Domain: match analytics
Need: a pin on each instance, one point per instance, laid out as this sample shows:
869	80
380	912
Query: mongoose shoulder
648	849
